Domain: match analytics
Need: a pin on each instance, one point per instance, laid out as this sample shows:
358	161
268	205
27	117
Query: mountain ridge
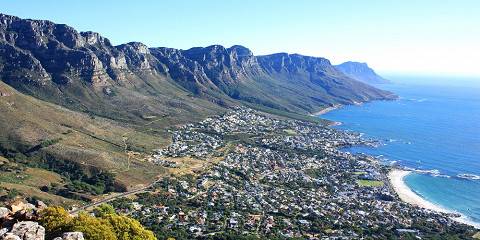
59	57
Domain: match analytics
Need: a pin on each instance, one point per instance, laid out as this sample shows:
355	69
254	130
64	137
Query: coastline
326	110
406	194
396	178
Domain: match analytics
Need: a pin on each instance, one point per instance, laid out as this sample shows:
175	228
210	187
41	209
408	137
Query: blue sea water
434	126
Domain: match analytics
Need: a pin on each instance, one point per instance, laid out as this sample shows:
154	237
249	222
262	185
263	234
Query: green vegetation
49	142
107	225
77	179
31	182
369	183
92	228
240	236
11	194
13	177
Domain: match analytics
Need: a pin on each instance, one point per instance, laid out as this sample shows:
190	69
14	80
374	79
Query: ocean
434	128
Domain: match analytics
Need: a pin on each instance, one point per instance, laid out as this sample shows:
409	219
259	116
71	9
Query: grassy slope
150	100
27	122
29	182
303	93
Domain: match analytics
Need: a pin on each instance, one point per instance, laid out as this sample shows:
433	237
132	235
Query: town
278	178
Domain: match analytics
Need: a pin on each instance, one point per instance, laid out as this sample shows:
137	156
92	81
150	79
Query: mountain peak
240	50
360	71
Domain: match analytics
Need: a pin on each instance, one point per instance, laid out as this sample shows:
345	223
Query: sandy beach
326	110
396	178
407	195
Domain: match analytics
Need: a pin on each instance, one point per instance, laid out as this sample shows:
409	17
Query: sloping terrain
74	104
78	146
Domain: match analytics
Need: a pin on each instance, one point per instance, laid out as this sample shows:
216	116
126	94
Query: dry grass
35	192
26	121
40	177
28	183
92	142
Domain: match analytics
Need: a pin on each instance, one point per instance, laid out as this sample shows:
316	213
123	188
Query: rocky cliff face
59	64
361	72
294	63
226	66
59	53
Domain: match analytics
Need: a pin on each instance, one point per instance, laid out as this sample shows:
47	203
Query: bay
433	128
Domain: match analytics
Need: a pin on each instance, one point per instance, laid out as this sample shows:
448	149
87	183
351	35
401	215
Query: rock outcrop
4	212
18	222
71	236
28	230
10	236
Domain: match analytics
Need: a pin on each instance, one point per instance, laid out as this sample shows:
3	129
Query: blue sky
416	37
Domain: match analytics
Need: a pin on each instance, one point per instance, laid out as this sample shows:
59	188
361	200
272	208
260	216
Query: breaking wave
431	172
468	176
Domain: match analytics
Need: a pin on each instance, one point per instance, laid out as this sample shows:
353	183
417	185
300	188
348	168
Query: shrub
104	210
93	228
55	220
128	229
106	226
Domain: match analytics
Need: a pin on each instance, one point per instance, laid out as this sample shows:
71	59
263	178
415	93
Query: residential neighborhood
278	178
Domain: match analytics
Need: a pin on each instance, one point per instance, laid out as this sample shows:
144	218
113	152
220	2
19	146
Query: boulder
40	205
4	212
28	230
20	205
4	94
72	236
10	236
3	231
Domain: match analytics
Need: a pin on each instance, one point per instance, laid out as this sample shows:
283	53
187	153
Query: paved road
111	198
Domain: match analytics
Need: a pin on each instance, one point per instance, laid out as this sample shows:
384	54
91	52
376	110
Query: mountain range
57	63
96	101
